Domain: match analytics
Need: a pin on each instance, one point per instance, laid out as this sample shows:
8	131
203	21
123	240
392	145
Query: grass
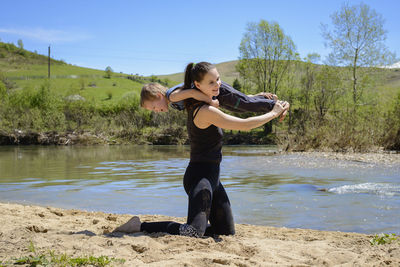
383	239
226	70
53	259
29	70
96	89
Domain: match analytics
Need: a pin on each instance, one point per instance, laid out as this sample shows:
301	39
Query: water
265	188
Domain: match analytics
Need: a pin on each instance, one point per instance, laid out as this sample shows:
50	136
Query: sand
80	233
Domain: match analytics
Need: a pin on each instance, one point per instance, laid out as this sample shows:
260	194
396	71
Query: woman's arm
208	115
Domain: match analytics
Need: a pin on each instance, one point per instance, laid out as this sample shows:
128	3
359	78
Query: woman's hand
281	108
278	108
284	113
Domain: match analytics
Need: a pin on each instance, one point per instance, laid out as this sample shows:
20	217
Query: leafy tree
236	84
265	55
357	40
154	78
20	44
308	80
326	90
109	71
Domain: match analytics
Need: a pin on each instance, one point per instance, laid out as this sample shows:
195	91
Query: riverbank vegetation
345	103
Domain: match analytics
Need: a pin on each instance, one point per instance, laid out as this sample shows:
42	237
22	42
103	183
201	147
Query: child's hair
195	72
150	92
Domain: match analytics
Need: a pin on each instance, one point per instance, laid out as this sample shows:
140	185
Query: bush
32	109
391	138
3	91
109	95
78	114
129	102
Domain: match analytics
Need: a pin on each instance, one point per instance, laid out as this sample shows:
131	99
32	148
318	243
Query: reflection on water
264	187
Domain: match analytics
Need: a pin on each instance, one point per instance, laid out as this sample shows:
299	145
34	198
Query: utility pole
49	63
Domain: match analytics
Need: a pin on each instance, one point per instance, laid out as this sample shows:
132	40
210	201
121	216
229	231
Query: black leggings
208	201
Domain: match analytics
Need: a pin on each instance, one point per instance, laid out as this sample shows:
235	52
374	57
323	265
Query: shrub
78	114
109	95
108	72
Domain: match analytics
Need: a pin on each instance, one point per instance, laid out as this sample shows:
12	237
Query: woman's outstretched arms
208	115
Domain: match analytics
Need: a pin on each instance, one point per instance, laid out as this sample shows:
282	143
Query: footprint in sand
112	218
139	249
221	261
56	212
36	229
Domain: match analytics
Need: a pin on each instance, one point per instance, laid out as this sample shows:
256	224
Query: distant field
226	70
97	89
27	69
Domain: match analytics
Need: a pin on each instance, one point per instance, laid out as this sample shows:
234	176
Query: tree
265	55
20	44
357	40
308	80
236	84
109	71
326	90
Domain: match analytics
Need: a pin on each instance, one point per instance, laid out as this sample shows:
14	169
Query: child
156	97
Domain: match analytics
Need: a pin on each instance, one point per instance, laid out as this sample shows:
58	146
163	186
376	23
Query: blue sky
161	36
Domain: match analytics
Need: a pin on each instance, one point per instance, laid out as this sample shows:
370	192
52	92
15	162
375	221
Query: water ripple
382	189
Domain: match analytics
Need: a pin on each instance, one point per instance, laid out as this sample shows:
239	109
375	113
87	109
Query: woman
208	200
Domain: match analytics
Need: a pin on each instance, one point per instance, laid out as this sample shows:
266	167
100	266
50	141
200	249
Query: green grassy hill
387	80
20	69
16	62
226	70
25	68
31	102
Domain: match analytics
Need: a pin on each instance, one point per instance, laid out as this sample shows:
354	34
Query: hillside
16	62
38	110
28	69
226	70
20	68
387	80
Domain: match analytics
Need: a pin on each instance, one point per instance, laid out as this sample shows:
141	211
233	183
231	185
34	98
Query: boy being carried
157	98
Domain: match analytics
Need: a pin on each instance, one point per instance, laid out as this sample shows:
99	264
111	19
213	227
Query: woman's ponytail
188	76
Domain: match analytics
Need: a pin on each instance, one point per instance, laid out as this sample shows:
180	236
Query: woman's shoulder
193	104
206	110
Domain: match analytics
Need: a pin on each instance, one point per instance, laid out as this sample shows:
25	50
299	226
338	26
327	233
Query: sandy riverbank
387	158
81	233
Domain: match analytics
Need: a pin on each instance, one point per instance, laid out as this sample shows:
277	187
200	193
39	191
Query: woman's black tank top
205	144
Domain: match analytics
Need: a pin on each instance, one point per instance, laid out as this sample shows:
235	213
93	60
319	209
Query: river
264	187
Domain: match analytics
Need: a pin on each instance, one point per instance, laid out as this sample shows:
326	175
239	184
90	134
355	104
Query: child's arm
179	95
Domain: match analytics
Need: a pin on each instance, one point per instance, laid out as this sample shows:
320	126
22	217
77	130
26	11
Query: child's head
152	97
204	76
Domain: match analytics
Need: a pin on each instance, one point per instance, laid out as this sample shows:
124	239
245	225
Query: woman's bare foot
131	226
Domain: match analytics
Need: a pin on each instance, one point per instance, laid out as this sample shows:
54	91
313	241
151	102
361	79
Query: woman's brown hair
195	72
